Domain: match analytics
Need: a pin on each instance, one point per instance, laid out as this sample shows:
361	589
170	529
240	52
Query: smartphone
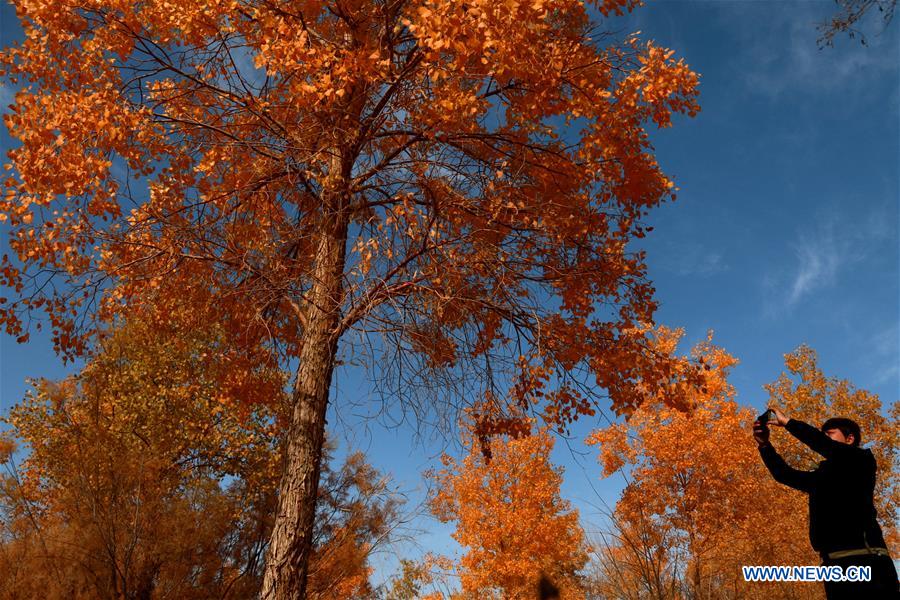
767	417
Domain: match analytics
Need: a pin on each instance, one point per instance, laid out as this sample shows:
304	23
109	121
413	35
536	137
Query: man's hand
760	433
781	419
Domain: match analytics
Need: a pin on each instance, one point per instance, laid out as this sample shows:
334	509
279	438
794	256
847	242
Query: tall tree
510	518
457	182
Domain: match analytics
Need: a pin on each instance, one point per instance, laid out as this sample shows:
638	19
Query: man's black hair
846	426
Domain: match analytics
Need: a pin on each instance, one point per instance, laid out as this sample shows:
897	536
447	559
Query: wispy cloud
6	96
888	373
887	341
780	54
692	259
885	350
819	257
822	252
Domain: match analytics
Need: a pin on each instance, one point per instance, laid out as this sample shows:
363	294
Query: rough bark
290	545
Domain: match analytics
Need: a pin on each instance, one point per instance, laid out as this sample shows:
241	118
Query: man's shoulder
864	453
858	457
869	455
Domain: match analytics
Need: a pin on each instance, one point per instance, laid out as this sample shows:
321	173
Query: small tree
510	518
356	515
410	581
634	559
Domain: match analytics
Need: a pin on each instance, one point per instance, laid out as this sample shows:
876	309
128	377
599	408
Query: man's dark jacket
841	508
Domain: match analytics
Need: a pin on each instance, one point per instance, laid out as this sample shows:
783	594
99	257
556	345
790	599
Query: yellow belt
860	552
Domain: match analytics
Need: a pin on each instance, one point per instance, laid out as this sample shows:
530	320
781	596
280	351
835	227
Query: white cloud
823	251
819	257
778	52
692	259
6	96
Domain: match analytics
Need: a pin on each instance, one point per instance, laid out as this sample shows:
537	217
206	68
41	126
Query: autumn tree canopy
145	479
119	494
455	183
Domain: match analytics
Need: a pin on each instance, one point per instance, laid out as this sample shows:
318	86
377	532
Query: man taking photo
843	527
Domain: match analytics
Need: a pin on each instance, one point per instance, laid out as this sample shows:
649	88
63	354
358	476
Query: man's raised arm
817	440
781	472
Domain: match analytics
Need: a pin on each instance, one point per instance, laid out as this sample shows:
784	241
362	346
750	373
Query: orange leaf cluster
510	518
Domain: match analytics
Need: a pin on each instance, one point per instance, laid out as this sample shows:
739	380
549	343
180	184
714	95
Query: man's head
842	430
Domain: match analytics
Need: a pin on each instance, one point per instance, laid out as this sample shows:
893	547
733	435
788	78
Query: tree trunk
290	545
696	580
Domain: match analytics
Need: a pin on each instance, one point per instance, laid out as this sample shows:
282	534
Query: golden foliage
510	518
147	478
427	135
121	493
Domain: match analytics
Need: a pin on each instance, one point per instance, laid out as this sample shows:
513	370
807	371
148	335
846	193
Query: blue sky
785	230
